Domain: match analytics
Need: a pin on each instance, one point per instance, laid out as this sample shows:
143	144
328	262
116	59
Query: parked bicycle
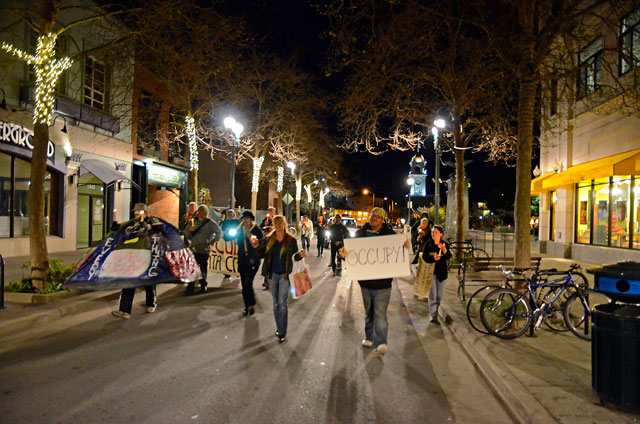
507	313
465	254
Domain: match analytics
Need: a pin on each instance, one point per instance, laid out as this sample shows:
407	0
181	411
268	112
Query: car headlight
352	233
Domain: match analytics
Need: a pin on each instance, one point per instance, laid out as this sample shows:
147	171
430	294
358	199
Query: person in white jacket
306	232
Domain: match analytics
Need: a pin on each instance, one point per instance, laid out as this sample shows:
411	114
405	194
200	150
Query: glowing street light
236	128
366	191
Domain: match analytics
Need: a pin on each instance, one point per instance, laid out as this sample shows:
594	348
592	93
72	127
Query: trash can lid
629	270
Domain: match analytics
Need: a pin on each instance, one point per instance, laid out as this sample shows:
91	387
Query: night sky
294	27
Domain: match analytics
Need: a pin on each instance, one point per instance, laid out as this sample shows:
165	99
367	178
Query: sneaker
245	312
281	339
265	286
150	309
434	319
381	349
367	343
252	310
226	280
120	314
203	290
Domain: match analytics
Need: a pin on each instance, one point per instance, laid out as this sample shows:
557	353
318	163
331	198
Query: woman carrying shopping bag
279	249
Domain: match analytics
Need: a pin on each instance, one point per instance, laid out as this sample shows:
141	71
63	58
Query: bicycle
508	314
467	255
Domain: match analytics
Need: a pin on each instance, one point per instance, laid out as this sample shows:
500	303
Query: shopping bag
301	281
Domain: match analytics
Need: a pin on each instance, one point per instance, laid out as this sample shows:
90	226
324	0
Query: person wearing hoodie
201	234
248	260
376	293
438	251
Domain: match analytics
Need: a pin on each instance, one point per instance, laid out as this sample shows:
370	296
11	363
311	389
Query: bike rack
1	282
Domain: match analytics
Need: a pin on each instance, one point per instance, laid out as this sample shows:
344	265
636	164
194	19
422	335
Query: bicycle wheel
555	315
505	313
473	308
577	311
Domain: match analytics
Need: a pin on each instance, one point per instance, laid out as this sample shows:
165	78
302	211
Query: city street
198	360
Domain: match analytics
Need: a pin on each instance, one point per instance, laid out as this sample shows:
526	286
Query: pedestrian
438	251
306	232
414	231
337	232
267	226
279	249
201	234
185	222
415	217
125	303
423	233
424	273
248	260
376	293
230	227
321	234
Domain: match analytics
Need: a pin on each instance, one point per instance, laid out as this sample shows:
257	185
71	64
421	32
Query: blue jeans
375	307
279	287
435	296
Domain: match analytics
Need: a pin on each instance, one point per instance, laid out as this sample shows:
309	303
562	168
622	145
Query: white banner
372	258
224	258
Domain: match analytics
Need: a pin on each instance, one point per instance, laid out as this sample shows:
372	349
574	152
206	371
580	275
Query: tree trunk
193	187
297	218
460	182
522	206
37	229
279	207
254	202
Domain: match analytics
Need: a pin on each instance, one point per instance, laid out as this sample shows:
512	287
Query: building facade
589	180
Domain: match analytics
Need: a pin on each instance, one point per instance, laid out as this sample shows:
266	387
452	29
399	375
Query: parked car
348	222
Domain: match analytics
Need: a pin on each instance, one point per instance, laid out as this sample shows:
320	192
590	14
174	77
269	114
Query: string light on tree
298	189
280	183
307	188
193	145
322	194
257	164
47	69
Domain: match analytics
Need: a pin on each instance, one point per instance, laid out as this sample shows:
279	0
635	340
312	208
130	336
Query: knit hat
378	211
248	214
140	207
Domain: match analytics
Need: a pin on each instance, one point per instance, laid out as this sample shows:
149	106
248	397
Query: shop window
584	213
620	208
5	195
629	42
636	213
590	68
552	212
22	175
601	212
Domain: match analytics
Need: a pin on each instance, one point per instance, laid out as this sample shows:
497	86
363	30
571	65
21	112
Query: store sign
16	135
163	175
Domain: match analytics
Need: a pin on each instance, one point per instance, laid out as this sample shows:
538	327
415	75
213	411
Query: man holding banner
391	255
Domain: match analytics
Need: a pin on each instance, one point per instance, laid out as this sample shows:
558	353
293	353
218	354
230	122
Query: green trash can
615	354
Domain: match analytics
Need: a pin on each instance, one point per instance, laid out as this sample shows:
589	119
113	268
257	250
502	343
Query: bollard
1	282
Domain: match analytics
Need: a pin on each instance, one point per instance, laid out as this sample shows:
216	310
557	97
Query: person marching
201	234
125	303
438	251
248	260
279	249
376	293
230	227
338	232
424	274
185	222
320	234
267	226
306	232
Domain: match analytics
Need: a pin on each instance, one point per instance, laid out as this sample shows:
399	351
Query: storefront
16	145
162	188
597	204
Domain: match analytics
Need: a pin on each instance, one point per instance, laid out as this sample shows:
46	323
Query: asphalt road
197	360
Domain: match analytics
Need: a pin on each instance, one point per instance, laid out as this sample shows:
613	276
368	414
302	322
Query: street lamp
366	191
291	166
439	123
236	128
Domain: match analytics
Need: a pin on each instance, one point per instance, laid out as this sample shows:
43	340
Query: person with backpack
201	234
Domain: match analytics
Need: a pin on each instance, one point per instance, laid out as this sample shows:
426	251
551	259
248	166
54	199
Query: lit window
590	68
629	41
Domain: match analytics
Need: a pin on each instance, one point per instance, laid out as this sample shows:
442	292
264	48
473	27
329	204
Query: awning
627	163
536	183
103	172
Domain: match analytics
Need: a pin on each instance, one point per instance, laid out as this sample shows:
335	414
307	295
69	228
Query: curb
517	399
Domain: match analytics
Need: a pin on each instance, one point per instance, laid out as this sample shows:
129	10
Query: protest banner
224	258
370	258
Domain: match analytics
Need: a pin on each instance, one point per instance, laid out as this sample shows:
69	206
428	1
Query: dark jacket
338	233
247	255
430	250
227	225
291	251
206	233
366	231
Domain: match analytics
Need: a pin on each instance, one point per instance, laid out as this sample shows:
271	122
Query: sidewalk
540	379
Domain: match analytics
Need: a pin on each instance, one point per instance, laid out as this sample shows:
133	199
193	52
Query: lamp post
373	200
439	123
236	128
